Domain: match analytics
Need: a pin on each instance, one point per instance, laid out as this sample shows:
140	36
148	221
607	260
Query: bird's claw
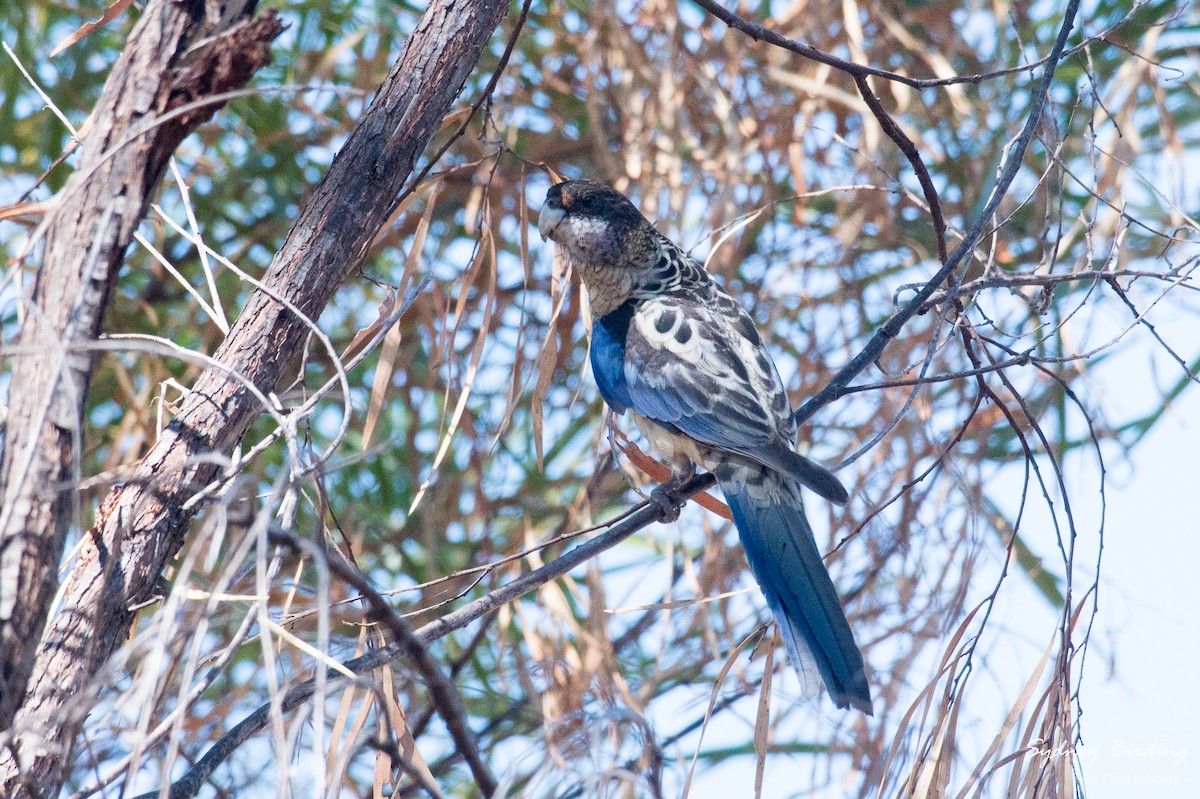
665	499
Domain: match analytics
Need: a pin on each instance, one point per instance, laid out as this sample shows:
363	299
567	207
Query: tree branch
189	784
882	337
893	132
443	693
173	57
762	34
878	342
142	524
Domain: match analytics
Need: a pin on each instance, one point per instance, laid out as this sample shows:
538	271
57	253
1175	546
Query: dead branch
647	513
177	53
879	341
142	524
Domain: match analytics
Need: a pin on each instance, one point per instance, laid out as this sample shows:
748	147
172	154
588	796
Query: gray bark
178	53
142	524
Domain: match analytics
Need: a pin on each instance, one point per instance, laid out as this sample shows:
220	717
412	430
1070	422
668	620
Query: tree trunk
141	525
178	53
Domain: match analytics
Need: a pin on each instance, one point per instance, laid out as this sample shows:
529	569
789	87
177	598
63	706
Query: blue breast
608	355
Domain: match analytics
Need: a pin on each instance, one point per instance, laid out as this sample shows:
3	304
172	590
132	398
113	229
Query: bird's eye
577	202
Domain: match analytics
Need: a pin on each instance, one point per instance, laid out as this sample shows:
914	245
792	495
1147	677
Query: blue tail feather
783	555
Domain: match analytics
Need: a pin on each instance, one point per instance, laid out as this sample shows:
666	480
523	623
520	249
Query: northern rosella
684	358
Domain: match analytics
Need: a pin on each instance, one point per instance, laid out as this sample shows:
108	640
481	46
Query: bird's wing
701	369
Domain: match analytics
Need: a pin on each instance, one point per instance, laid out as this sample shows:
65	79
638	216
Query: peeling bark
142	524
177	54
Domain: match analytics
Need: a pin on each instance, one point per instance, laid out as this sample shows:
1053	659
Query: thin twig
893	132
443	693
883	336
190	783
759	33
484	97
1048	281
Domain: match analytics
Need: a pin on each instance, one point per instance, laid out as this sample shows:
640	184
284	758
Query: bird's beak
549	219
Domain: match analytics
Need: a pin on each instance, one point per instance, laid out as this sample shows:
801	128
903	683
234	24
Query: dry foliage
441	438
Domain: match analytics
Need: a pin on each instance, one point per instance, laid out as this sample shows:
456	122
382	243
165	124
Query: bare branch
879	341
759	33
647	513
143	523
445	696
914	159
97	213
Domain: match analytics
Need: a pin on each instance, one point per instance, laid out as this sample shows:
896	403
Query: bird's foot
666	498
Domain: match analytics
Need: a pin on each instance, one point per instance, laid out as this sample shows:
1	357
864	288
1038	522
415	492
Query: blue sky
1140	707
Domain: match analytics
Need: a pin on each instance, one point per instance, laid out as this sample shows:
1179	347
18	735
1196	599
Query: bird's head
591	220
604	236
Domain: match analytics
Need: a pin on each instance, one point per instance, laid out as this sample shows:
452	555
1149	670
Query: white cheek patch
589	237
665	328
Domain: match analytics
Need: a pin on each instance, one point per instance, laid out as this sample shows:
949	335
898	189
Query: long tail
783	555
